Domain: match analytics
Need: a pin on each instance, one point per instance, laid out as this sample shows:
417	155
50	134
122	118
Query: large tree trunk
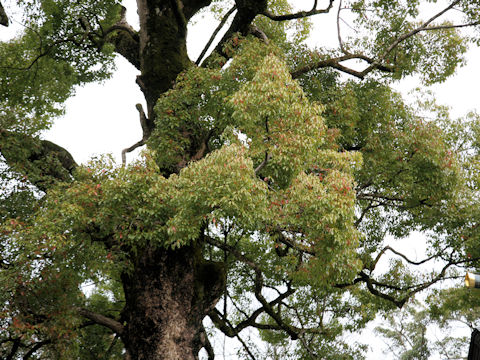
163	49
168	294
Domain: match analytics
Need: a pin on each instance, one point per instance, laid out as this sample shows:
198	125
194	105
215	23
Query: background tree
270	185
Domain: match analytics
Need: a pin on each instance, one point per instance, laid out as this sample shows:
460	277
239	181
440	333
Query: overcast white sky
102	118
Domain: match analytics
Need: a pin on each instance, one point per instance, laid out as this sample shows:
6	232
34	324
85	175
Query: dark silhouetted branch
300	14
3	16
214	34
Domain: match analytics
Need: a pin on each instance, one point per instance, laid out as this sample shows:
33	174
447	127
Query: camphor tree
273	174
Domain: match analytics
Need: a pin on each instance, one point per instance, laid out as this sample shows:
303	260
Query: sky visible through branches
102	118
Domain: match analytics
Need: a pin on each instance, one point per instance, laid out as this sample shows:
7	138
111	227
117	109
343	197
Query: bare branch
100	319
377	63
291	244
307	347
214	34
336	64
339	36
245	347
300	14
423	27
206	344
366	210
409	291
130	149
144	123
386	248
418	29
453	26
376	197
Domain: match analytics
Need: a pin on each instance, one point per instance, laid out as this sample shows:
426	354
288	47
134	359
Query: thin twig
339	36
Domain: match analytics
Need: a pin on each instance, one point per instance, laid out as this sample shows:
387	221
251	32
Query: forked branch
407	292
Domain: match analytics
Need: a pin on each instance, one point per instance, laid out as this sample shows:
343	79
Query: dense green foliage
294	185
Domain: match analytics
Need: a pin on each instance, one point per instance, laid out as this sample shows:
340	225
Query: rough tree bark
167	296
163	48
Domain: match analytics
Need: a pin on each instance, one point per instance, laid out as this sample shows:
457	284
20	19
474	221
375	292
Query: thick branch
300	14
289	329
122	35
3	16
191	7
144	122
125	39
15	346
206	344
41	161
263	163
336	64
100	319
247	11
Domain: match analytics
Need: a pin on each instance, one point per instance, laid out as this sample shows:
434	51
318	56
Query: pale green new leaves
308	193
223	185
278	121
313	200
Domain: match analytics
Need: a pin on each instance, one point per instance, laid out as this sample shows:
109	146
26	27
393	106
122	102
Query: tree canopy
275	179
